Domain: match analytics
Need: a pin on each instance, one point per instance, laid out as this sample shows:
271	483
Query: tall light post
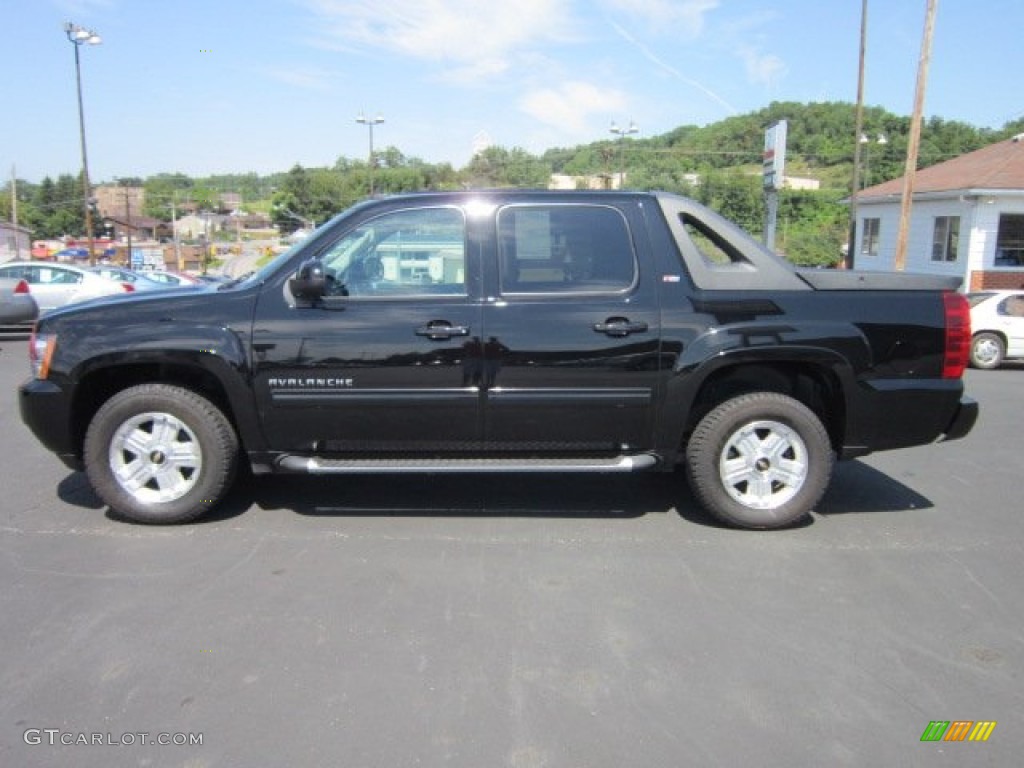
79	36
866	141
622	133
369	122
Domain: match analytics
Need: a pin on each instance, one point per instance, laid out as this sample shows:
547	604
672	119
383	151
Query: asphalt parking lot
520	622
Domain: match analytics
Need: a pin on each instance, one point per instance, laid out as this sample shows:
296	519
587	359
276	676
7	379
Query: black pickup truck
505	331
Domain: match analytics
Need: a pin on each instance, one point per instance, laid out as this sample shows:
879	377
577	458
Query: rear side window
1012	306
564	249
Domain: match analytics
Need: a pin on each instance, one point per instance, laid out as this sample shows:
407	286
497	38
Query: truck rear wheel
157	453
760	460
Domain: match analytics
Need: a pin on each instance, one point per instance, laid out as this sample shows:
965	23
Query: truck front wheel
760	460
157	453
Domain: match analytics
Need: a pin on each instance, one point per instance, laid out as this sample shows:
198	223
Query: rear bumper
888	414
963	421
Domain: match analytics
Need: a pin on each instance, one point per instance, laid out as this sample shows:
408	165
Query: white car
997	327
54	285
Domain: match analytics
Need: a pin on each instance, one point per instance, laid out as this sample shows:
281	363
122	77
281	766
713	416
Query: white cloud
763	68
570	107
669	16
671	70
473	40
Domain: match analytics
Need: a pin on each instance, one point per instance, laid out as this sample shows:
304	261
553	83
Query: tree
500	167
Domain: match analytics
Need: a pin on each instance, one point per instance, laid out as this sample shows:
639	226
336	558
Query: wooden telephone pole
914	142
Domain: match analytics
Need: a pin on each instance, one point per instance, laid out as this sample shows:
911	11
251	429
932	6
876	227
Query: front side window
564	249
413	252
946	239
869	237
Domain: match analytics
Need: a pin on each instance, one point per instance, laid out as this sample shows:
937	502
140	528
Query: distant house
192	226
139	228
116	202
967	219
598	181
15	241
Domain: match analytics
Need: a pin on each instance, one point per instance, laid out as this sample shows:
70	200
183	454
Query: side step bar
313	465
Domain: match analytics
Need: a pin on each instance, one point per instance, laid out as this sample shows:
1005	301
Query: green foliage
719	164
500	167
51	209
812	228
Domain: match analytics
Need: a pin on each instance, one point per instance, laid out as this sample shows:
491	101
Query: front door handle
620	326
441	330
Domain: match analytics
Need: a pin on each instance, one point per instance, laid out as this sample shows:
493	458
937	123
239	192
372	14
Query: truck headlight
41	347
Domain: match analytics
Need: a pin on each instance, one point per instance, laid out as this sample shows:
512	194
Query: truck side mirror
310	281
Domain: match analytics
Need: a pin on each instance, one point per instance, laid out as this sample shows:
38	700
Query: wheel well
990	332
99	386
815	387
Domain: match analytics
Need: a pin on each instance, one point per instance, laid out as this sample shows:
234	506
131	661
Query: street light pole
622	133
79	36
369	122
881	140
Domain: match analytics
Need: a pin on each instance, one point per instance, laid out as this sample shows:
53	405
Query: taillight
958	334
41	347
21	287
128	287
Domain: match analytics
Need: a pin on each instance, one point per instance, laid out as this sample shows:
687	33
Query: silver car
18	309
56	285
138	280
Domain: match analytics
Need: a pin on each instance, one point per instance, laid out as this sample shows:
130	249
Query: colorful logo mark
958	730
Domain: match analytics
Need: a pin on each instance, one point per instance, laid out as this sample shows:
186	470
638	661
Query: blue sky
219	86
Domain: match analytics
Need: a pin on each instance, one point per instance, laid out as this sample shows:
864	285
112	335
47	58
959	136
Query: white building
15	242
967	219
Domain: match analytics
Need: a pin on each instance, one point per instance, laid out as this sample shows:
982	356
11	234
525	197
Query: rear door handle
620	326
441	330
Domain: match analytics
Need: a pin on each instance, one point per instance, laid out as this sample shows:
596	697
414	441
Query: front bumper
46	411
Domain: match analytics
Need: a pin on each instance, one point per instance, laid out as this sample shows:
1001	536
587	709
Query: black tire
987	351
760	460
162	454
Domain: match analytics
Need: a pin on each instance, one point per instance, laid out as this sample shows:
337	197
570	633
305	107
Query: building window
869	237
946	241
1010	240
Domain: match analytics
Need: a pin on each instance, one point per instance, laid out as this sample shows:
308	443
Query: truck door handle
441	330
620	326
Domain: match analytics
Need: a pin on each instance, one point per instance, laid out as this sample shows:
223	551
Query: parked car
18	309
138	280
55	285
997	327
169	279
211	279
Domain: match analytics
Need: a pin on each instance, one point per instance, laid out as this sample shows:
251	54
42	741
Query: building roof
998	166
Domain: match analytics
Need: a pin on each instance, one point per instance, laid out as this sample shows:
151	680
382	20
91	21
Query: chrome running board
314	465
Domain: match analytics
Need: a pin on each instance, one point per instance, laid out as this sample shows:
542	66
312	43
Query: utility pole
14	211
174	229
128	225
858	130
914	142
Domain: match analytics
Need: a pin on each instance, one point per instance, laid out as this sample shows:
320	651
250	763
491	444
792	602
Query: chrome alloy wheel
763	464
155	457
987	351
